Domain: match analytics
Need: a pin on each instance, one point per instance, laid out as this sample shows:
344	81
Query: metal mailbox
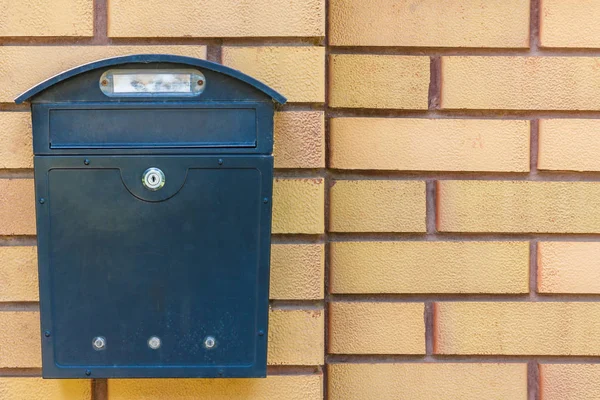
153	178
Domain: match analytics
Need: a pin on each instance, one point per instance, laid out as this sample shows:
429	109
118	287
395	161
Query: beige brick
427	381
16	149
376	328
518	206
17	207
297	72
429	144
569	144
299	206
429	267
569	23
377	206
517	328
46	18
279	387
215	18
299	139
520	83
379	81
18	273
569	381
454	23
296	337
25	66
20	340
297	271
569	267
45	389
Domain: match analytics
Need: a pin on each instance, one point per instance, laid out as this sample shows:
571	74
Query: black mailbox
153	178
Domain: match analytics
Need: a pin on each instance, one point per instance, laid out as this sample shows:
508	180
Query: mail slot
153	182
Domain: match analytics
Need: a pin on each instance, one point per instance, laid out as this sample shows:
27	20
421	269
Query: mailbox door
185	263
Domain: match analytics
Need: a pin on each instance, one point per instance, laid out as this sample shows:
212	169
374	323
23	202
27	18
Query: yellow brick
298	206
17	207
215	18
299	139
20	339
517	328
454	23
429	267
46	18
280	387
429	144
569	381
45	389
379	81
15	140
427	381
297	271
376	328
569	144
296	337
18	273
377	206
520	83
570	24
569	267
518	206
296	72
25	66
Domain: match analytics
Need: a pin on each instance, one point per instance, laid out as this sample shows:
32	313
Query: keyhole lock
153	179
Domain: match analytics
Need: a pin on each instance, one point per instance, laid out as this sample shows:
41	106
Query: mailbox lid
72	113
182	263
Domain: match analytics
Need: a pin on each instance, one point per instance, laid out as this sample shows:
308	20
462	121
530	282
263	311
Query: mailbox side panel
185	263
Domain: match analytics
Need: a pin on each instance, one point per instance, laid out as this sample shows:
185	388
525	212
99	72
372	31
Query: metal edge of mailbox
149	58
41	132
43	164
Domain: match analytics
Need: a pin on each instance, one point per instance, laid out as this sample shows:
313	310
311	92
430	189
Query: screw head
200	82
265	200
99	343
261	333
47	333
220	372
86	161
104	82
154	342
88	372
220	161
42	200
210	342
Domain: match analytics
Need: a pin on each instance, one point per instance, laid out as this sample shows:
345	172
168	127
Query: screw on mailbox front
154	176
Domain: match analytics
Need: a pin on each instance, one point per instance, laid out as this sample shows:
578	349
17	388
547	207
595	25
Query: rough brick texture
297	271
283	387
517	328
296	72
419	381
454	23
429	267
569	145
18	273
429	144
569	267
569	381
296	337
15	140
358	81
45	389
215	18
376	328
298	206
569	24
46	18
299	139
20	340
377	206
520	83
17	207
512	206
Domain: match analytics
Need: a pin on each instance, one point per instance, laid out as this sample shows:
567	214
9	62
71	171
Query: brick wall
436	230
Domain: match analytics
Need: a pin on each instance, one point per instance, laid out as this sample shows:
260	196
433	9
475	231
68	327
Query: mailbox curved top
151	58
